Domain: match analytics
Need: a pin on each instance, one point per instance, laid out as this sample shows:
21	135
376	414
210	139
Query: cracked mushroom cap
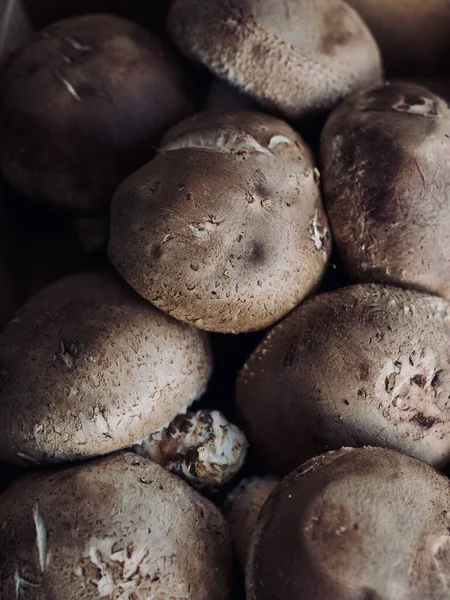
81	107
225	229
296	57
392	228
119	527
412	34
362	524
87	368
242	509
364	365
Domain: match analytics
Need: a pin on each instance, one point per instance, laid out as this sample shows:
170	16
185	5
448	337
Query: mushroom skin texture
82	106
225	228
242	508
117	527
386	163
354	524
412	34
203	448
364	365
296	57
88	368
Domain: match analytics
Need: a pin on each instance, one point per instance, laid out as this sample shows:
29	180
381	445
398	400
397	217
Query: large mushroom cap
87	368
118	527
364	365
355	524
225	229
297	57
82	106
386	174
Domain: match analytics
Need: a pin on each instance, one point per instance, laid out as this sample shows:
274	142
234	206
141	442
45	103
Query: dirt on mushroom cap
358	523
225	228
386	164
295	57
367	364
87	367
118	527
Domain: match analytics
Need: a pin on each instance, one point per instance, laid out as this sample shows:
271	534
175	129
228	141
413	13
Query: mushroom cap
412	34
242	509
118	527
81	107
386	173
296	57
364	365
87	368
202	447
358	523
225	229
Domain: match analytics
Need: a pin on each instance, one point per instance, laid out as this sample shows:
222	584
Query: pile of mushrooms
224	300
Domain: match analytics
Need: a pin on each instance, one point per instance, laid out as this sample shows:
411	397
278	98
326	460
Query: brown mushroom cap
364	365
118	527
412	34
87	368
242	509
364	523
296	57
81	107
225	229
386	176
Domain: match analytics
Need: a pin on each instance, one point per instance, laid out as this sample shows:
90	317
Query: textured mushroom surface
87	368
386	175
363	523
82	106
364	365
225	229
296	57
202	447
119	527
242	509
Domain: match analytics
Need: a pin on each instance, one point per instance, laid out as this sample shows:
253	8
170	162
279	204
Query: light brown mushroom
87	368
360	524
203	448
242	508
119	527
364	365
225	229
82	105
296	57
386	175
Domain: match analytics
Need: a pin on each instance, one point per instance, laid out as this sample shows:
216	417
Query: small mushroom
118	527
364	523
386	175
202	447
364	365
88	368
242	508
296	57
225	228
82	106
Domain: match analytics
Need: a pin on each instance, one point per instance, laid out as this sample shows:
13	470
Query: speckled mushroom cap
364	365
82	106
225	229
363	523
297	57
119	527
242	509
87	368
412	34
386	175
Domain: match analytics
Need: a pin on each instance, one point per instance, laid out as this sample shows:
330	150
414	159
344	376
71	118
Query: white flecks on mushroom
21	582
203	447
228	140
276	140
41	537
319	233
